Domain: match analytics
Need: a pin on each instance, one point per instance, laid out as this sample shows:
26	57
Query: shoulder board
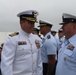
48	37
14	34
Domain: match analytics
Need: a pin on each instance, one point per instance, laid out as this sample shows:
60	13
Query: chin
30	32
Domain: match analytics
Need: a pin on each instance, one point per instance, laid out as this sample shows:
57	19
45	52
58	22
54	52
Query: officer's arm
51	64
7	57
51	52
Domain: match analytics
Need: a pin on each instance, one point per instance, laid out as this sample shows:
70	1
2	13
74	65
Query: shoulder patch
14	34
48	36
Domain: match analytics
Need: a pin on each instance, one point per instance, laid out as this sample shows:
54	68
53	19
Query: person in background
53	32
2	45
60	33
0	51
67	54
21	51
61	38
0	59
36	31
48	49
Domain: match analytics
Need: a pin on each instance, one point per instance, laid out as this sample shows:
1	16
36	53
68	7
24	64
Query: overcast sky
49	10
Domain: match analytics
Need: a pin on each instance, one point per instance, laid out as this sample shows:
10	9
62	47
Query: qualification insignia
37	43
70	47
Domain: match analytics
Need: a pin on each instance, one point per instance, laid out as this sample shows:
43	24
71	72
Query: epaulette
14	34
48	36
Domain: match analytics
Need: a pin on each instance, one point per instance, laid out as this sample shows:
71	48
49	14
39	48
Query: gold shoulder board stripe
14	34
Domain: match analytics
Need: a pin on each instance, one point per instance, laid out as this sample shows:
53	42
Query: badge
37	43
22	43
71	47
48	36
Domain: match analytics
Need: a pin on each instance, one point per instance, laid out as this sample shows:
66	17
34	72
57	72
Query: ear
22	21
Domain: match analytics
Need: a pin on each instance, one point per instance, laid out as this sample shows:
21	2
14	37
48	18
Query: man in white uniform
67	54
21	51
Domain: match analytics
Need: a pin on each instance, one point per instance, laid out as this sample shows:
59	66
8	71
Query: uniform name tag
22	43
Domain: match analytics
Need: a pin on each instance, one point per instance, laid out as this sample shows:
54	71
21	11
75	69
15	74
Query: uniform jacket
21	55
67	58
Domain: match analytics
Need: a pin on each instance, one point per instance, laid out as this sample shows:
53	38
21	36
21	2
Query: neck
67	37
46	33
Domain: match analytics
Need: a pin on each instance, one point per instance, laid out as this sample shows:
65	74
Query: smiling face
27	26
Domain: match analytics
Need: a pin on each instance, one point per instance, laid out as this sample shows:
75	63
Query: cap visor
38	26
62	23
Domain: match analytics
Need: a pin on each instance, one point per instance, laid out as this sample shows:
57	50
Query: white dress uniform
21	55
67	58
